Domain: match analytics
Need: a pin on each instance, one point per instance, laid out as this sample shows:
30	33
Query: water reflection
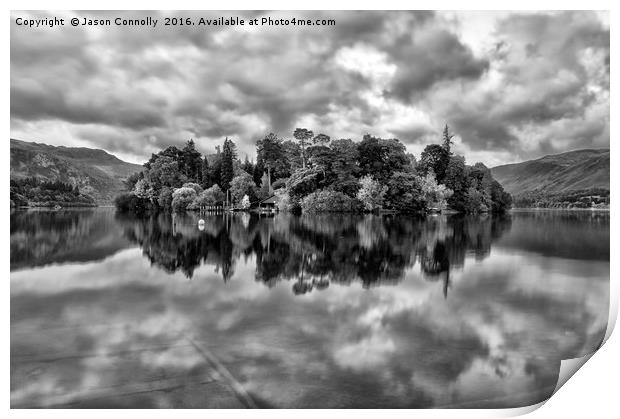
103	313
42	237
315	251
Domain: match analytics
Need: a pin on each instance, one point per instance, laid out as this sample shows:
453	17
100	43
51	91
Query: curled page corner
520	411
613	311
568	367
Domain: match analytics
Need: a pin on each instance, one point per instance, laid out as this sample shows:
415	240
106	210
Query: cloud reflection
495	341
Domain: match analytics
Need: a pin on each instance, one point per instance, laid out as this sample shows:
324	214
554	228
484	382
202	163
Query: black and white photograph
306	209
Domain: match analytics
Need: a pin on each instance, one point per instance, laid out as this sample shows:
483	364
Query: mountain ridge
570	171
96	172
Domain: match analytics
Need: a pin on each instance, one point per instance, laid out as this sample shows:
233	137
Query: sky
511	86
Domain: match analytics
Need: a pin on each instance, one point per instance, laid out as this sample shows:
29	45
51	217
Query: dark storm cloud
437	56
33	102
134	90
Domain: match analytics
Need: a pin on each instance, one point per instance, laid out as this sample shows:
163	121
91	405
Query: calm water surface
110	310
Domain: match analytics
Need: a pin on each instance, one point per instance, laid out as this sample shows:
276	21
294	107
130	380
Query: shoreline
385	212
560	209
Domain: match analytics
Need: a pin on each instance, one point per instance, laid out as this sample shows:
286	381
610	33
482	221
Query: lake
111	310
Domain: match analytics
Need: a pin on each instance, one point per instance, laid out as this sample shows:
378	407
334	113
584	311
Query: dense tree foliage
210	197
183	197
242	185
36	192
317	173
229	155
583	198
435	159
371	193
329	201
404	192
303	136
380	158
272	157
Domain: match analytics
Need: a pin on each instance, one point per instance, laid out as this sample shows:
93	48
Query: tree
259	170
434	158
371	193
329	201
191	162
283	200
131	181
194	186
475	201
345	156
182	197
500	199
270	151
242	185
344	166
206	174
164	171
211	196
144	189
164	200
456	178
245	202
303	135
215	169
380	158
447	139
435	194
480	177
405	192
321	139
248	166
229	155
320	157
127	201
303	182
292	154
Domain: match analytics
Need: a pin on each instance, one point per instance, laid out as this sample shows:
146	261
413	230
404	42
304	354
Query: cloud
405	345
522	84
432	57
546	72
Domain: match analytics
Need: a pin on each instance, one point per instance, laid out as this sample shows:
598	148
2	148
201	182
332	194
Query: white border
592	393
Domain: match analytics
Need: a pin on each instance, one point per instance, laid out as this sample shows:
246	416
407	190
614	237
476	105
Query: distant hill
571	171
96	172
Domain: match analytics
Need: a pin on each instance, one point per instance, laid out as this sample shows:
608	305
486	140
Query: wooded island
314	173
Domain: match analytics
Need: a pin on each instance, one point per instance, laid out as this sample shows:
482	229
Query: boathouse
268	204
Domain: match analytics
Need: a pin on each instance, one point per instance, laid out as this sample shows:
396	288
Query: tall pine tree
206	173
229	155
447	139
248	166
191	162
303	136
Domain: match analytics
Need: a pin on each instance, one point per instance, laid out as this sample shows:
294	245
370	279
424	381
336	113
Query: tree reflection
42	237
446	243
315	251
